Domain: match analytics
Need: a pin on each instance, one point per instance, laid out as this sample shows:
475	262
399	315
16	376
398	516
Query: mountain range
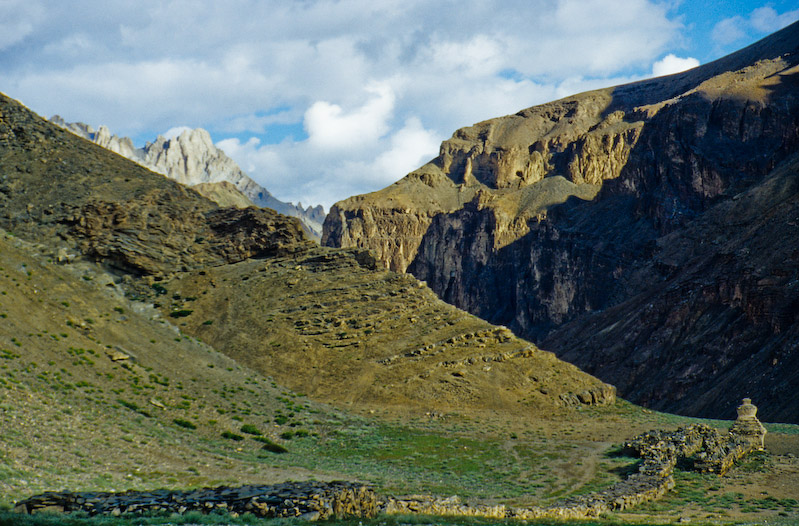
645	232
192	159
153	338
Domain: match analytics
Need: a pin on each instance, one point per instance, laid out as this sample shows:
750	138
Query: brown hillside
261	292
558	216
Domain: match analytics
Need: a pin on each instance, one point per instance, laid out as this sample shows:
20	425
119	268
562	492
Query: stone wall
698	445
308	500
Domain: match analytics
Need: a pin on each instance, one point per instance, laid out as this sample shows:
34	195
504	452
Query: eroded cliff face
547	218
721	315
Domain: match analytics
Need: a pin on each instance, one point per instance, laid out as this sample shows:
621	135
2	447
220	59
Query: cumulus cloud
408	148
760	21
324	98
672	64
330	127
382	158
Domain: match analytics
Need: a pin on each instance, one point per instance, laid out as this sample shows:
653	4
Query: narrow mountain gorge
192	159
644	232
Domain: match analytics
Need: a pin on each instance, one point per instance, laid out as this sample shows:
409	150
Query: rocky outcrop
158	235
609	227
306	500
223	193
192	159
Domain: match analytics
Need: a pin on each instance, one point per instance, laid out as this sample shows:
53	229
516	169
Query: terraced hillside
326	324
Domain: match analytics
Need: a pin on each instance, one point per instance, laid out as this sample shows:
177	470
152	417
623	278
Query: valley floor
81	411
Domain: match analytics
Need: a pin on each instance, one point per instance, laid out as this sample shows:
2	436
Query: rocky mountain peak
191	159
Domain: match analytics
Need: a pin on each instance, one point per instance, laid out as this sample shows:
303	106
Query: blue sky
322	99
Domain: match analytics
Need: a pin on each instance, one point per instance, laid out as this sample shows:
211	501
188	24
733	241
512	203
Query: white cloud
760	21
672	64
173	132
18	19
409	147
767	20
329	127
259	69
478	56
729	30
332	174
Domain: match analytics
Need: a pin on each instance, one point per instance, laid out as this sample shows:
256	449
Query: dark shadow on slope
680	312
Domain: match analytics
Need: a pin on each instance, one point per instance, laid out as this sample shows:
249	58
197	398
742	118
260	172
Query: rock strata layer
644	232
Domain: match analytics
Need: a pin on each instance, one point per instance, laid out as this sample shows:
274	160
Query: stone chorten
747	425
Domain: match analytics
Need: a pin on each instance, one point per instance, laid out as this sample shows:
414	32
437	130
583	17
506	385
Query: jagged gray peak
191	158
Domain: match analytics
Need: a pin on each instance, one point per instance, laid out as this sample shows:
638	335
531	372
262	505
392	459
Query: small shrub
159	289
184	423
269	445
232	436
182	313
250	429
133	407
275	448
208	322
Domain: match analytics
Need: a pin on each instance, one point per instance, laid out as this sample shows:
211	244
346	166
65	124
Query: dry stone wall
700	445
705	447
309	500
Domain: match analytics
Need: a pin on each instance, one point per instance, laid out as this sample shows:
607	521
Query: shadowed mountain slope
556	217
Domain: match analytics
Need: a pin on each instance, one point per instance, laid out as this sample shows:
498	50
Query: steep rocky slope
192	159
558	216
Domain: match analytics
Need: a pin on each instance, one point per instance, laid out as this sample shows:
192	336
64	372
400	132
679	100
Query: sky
318	100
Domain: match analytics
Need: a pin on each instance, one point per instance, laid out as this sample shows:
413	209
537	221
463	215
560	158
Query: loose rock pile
309	500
